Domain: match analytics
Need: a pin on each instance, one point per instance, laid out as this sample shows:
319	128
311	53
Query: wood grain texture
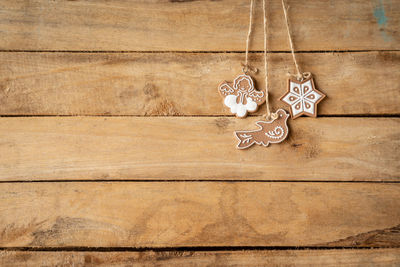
195	25
170	214
196	148
186	83
385	237
339	257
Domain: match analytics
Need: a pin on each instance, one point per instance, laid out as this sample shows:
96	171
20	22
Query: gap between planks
193	181
395	115
381	257
198	52
189	248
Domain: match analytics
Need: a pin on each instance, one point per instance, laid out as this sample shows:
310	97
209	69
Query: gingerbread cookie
241	96
302	97
274	131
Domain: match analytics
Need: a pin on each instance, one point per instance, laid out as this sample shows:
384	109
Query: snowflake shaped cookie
241	96
302	97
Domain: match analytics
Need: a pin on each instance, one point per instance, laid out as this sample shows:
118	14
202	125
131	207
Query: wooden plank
185	83
195	25
171	214
43	148
339	257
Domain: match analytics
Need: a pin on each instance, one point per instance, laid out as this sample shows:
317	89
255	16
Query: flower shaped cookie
302	97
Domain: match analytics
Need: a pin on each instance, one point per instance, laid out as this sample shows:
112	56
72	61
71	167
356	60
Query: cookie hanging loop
271	116
300	77
247	69
306	75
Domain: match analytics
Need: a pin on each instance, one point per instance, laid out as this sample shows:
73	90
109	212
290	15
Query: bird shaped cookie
241	96
274	131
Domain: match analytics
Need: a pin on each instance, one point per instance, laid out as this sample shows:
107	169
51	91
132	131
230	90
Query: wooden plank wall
116	150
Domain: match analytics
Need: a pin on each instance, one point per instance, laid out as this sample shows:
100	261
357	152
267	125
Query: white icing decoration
302	97
238	108
276	133
247	138
236	101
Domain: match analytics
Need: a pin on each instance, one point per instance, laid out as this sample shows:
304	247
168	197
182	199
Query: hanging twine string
246	67
268	115
299	76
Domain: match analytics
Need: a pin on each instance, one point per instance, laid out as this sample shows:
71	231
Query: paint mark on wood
381	19
379	14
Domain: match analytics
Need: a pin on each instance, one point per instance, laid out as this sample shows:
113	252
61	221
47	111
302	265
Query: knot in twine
300	76
271	116
247	68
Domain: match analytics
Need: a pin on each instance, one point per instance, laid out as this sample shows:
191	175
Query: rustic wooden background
115	148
